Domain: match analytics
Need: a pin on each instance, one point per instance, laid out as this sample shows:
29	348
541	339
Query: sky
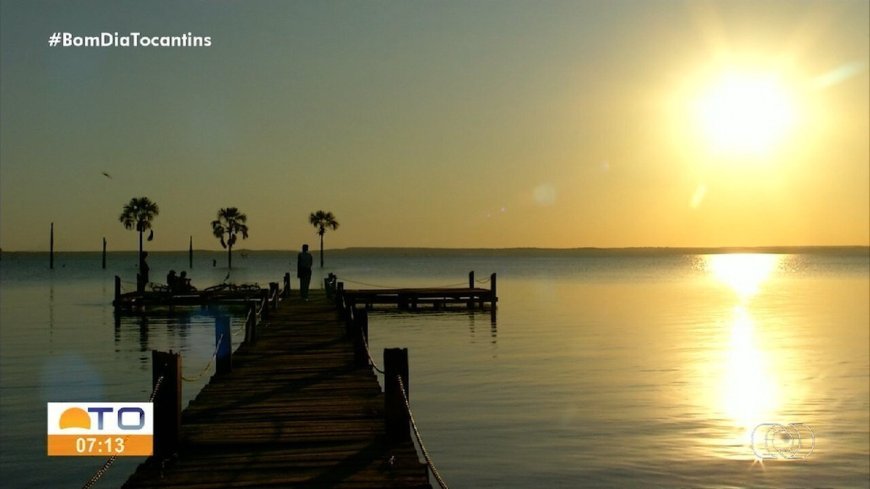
473	124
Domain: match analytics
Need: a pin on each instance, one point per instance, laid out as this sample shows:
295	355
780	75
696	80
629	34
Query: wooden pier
296	406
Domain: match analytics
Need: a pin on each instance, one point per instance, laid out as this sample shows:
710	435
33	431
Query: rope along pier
404	392
108	464
363	332
399	416
417	434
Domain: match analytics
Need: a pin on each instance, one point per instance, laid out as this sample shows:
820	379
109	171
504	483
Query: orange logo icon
75	418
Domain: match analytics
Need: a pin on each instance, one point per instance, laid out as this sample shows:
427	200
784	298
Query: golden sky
441	124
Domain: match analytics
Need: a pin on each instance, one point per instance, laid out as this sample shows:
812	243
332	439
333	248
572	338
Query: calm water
601	371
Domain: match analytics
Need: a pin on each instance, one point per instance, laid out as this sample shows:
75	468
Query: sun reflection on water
747	392
744	273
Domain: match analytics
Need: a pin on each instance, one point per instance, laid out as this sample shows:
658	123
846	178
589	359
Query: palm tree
322	220
230	223
138	214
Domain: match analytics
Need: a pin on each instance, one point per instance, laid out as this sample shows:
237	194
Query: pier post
329	286
339	297
223	345
266	311
470	303
104	253
348	310
493	291
287	285
360	335
167	402
396	416
273	295
117	291
251	323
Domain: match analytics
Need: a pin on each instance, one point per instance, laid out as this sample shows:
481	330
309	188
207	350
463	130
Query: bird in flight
106	174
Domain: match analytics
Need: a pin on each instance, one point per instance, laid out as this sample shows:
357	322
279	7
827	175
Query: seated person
172	281
184	283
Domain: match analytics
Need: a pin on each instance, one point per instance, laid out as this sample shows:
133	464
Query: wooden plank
295	411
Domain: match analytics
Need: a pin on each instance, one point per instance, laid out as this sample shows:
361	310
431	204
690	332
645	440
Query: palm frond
229	223
138	213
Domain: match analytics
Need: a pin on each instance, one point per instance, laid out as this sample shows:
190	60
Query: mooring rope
128	286
105	468
238	330
368	284
419	438
207	366
369	354
457	284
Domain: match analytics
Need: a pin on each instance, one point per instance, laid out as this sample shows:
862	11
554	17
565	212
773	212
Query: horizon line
737	248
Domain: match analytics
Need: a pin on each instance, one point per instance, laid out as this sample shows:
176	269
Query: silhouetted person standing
304	260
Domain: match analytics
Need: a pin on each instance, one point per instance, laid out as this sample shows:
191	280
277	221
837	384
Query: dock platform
415	298
435	297
295	411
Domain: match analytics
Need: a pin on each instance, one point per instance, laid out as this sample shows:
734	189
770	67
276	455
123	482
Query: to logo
100	428
794	441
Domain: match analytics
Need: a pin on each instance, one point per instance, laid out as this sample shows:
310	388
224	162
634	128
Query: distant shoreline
522	251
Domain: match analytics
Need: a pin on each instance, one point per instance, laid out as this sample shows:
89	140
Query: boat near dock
161	296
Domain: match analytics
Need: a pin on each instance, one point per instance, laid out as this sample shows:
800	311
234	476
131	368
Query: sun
745	113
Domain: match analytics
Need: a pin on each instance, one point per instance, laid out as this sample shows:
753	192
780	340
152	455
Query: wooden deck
416	297
295	412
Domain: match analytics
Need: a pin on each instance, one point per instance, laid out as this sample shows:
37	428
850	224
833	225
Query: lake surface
603	369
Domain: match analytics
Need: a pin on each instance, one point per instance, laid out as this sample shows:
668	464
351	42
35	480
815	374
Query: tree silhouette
322	220
138	214
230	223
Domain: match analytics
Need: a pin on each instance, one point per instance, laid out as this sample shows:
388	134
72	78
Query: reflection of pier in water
176	325
474	316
